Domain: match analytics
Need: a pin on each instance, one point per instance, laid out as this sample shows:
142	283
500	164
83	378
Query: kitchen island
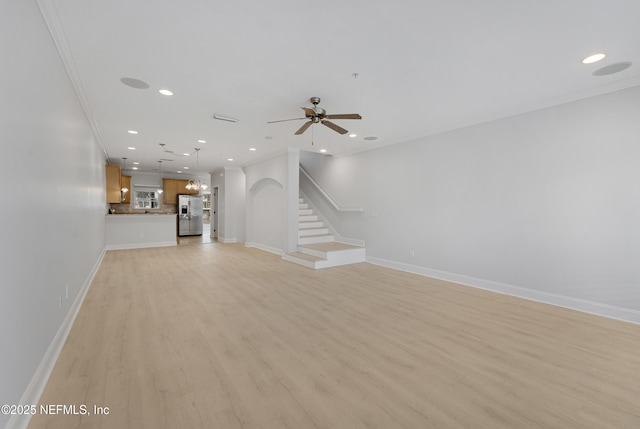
134	231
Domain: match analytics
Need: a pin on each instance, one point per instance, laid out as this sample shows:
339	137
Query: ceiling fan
319	115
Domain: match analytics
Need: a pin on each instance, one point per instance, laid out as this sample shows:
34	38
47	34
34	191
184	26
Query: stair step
305	256
307	218
312	231
325	255
309	239
334	246
310	224
304	260
304	212
303	206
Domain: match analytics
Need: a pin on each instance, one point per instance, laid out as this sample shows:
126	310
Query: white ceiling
424	66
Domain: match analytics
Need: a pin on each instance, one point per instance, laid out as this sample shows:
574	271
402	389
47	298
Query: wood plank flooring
223	336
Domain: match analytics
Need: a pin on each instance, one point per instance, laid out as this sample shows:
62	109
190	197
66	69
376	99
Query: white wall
231	204
547	201
265	225
272	202
53	202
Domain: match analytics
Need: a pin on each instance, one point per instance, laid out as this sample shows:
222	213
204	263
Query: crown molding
52	19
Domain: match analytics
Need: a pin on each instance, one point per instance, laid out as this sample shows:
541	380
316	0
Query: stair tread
305	256
330	246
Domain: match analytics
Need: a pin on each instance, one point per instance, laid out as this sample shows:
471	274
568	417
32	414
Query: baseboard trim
140	245
585	306
352	241
39	380
227	240
264	247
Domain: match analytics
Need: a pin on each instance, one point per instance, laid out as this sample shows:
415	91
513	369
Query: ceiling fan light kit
319	115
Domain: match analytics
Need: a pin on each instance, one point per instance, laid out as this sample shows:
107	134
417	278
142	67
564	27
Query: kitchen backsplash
128	209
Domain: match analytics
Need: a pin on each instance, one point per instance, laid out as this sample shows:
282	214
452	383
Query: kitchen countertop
141	214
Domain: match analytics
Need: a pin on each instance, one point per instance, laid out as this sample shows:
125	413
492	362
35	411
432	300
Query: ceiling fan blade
334	127
285	120
303	128
345	116
309	112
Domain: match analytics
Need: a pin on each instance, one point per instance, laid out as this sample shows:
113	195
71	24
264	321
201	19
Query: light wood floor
222	336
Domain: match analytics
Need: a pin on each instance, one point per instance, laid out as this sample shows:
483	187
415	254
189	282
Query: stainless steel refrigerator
189	215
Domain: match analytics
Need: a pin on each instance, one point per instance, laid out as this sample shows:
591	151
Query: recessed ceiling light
131	148
185	168
252	149
593	58
202	141
136	163
229	159
353	135
134	168
165	92
186	154
323	150
132	132
179	171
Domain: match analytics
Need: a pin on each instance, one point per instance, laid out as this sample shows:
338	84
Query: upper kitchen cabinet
174	187
170	191
113	183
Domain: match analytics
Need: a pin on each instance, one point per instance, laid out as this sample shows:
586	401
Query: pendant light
124	189
196	185
160	190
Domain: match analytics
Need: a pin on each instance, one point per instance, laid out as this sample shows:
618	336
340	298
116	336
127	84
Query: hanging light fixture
160	190
196	185
124	189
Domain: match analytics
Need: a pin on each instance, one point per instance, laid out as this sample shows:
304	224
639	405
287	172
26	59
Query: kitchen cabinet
113	183
174	187
170	191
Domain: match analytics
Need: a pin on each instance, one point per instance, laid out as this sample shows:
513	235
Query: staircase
317	247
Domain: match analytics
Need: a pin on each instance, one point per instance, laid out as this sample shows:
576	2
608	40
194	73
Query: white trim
264	247
227	240
585	306
51	18
140	245
40	378
326	196
352	241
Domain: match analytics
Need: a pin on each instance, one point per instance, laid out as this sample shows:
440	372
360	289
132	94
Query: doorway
214	213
